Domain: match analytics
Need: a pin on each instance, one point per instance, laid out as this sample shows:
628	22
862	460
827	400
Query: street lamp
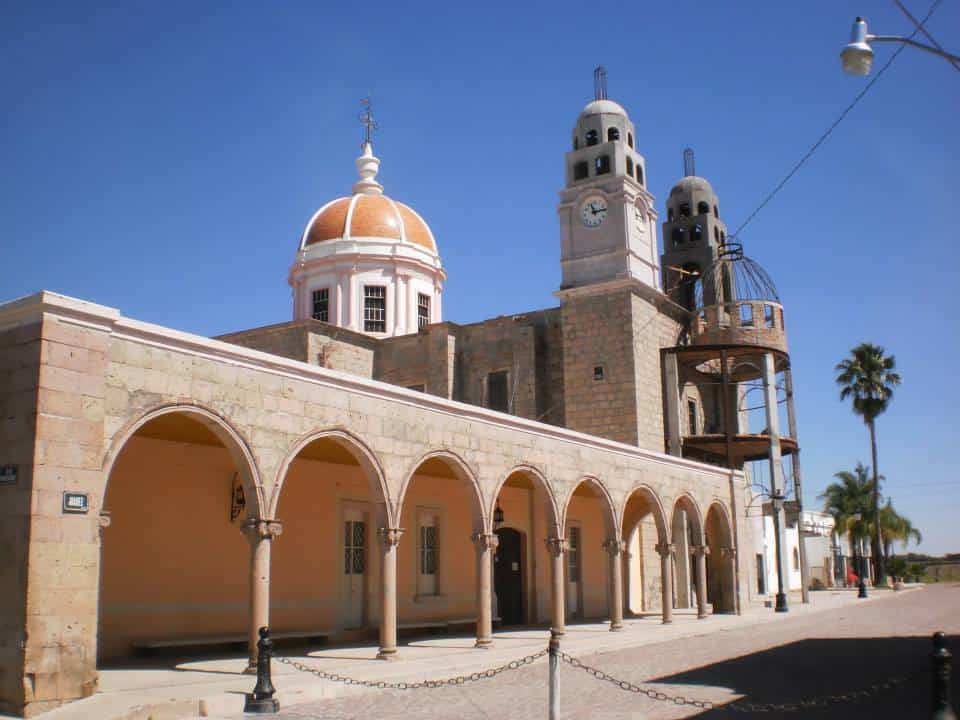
857	56
776	500
498	517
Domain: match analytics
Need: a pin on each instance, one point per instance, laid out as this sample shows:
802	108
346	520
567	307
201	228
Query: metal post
797	488
781	601
941	659
862	584
261	700
554	654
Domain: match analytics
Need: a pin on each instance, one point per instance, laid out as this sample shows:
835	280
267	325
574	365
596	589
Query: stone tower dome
367	262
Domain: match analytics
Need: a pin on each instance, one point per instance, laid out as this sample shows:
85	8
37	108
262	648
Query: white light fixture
857	57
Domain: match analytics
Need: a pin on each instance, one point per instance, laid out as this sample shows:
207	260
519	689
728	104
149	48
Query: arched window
629	167
684	210
576	143
580	170
630	140
796	559
696	233
677	236
703	208
689	278
613	134
716	233
591	137
716	213
639	174
669	214
602	164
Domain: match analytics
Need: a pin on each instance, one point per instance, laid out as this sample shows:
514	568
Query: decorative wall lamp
497	517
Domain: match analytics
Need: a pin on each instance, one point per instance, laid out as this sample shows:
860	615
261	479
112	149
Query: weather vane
366	119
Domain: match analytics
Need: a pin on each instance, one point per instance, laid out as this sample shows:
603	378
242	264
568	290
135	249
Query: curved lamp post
857	56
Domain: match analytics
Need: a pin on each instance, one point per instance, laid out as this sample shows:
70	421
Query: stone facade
99	377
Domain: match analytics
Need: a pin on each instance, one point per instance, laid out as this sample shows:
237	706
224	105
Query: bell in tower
607	216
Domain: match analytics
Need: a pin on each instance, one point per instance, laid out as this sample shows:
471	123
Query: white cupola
367	262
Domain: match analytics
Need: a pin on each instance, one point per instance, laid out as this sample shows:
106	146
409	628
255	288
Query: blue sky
162	158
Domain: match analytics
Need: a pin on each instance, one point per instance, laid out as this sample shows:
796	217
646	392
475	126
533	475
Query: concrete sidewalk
159	690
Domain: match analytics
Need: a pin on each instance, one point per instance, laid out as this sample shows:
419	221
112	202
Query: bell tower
607	216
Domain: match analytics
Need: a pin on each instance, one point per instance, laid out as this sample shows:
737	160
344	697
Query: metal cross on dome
366	119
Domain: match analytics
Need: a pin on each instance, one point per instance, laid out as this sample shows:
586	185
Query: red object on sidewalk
852	578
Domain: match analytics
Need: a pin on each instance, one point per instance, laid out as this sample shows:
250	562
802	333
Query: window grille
428	550
573	554
375	308
354	547
321	304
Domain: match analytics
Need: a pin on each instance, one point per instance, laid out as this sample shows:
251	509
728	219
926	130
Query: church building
369	470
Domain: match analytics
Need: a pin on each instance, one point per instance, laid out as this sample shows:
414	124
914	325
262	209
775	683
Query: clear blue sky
163	158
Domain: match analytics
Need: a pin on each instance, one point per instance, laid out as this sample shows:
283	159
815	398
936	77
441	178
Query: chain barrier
384	685
630	687
743	705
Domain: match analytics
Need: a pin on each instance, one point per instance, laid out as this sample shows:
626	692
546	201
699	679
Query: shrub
816	584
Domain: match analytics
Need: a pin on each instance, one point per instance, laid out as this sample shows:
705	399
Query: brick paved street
797	657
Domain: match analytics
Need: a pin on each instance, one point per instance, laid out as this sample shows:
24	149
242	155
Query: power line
825	135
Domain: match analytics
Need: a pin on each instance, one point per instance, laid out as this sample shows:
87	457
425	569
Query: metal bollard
941	660
554	656
261	700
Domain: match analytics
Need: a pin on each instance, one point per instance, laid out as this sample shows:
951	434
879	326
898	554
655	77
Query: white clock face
593	211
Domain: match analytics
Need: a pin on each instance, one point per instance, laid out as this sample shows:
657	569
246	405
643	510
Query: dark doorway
761	576
508	576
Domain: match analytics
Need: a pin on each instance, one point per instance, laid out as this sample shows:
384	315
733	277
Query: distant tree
894	527
868	378
848	503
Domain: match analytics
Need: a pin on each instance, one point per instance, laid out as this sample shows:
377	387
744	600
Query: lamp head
857	57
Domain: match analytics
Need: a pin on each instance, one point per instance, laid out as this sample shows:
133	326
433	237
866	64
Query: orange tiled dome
374	216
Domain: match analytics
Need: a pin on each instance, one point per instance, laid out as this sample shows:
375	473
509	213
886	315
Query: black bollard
941	660
261	700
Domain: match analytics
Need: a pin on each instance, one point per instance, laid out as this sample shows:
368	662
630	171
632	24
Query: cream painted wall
167	500
594	563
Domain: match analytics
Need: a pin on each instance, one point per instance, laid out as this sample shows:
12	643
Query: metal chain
630	687
744	706
384	685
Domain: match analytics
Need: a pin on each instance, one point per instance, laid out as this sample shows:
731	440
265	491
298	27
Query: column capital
665	550
557	545
390	536
728	552
614	546
698	550
486	541
257	529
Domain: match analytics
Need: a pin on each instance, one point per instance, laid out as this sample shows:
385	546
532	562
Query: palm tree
868	377
848	502
895	527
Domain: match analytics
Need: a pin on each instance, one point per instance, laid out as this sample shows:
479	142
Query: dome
368	216
737	278
368	213
691	183
596	107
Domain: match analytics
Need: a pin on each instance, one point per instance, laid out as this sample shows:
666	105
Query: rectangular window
374	308
354	547
746	315
602	164
768	316
428	549
692	416
497	398
423	310
321	304
573	554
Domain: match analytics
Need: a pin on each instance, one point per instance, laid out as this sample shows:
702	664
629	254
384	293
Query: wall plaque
75	502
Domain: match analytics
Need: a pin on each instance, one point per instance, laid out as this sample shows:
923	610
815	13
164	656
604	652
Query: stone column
729	554
700	557
666	581
557	547
260	533
615	549
389	539
486	545
671	388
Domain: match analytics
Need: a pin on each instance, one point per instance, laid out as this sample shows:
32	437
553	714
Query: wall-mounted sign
74	502
8	474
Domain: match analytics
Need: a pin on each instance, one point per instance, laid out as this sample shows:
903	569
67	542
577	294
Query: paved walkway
645	650
770	659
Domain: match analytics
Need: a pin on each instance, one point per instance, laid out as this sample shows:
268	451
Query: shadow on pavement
816	668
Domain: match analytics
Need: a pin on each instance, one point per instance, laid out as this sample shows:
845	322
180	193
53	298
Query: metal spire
689	168
366	119
600	83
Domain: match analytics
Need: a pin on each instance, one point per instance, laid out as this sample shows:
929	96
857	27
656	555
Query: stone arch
229	437
721	561
460	470
686	532
687	503
355	447
643	580
656	507
539	480
610	519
